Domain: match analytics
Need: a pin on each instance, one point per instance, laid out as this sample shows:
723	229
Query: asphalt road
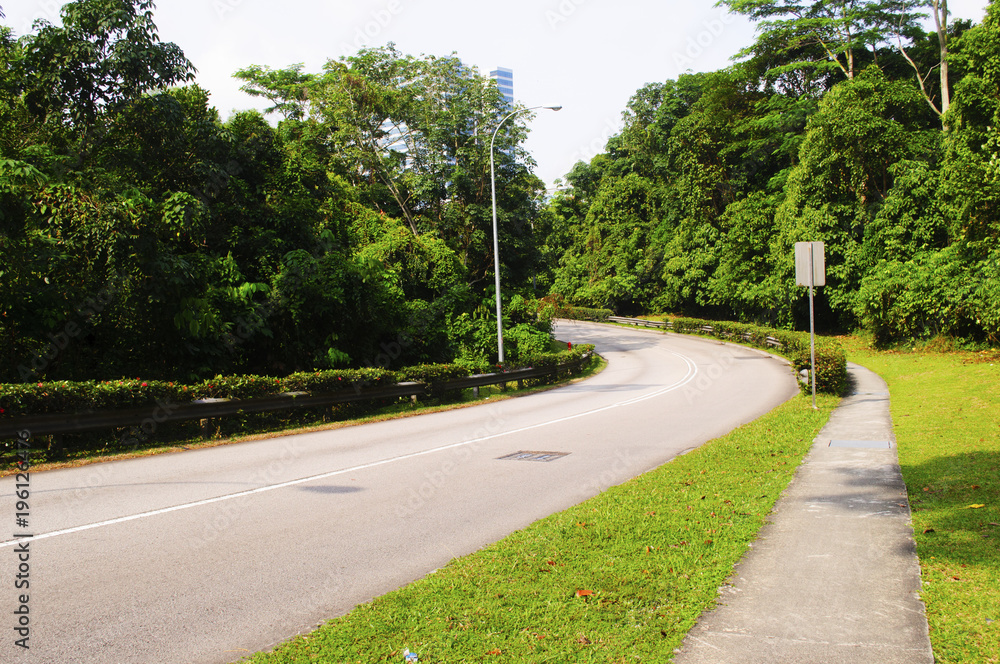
206	556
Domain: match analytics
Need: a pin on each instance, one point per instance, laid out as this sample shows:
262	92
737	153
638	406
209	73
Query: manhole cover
873	444
533	456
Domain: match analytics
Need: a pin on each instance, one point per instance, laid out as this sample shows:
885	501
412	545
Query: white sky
590	56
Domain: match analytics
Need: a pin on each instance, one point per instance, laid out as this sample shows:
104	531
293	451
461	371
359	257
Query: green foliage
614	264
142	235
433	373
822	133
105	54
555	306
824	36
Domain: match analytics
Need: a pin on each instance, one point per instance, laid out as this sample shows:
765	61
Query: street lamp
496	238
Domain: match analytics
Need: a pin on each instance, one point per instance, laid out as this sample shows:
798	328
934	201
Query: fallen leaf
495	651
584	593
583	640
930	530
975	507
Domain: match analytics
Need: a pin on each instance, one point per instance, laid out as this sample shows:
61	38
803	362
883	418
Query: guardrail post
206	423
56	449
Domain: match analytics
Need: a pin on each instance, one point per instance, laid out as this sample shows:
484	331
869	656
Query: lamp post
496	237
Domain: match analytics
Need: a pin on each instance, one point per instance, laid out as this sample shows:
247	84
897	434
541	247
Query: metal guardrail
63	423
668	325
641	322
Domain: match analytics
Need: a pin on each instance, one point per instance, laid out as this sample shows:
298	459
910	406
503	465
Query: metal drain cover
872	444
533	456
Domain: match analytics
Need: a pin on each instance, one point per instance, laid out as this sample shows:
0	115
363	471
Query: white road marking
692	371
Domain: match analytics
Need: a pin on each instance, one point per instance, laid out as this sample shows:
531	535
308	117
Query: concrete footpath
833	578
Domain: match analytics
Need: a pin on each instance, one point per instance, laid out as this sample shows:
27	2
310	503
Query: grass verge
620	577
946	412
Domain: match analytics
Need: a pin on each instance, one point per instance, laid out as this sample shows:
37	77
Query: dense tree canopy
141	235
829	128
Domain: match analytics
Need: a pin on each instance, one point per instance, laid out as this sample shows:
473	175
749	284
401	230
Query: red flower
145	385
39	385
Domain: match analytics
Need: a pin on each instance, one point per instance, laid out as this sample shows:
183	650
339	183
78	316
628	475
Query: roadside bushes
555	306
831	361
19	399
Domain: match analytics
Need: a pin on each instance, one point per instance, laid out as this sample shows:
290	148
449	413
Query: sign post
810	270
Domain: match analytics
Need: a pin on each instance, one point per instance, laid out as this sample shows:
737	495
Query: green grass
946	412
651	553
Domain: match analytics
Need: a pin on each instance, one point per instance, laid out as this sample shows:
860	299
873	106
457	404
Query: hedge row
831	361
553	306
17	400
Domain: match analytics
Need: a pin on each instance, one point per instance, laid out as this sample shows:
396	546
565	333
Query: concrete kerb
833	577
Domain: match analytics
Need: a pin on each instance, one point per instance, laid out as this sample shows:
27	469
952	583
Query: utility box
810	254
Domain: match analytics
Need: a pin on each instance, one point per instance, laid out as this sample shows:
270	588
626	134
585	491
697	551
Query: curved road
209	555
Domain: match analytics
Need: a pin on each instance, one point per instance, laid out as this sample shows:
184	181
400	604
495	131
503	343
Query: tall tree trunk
941	24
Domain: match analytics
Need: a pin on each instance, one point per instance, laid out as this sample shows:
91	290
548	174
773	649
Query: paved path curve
209	555
834	576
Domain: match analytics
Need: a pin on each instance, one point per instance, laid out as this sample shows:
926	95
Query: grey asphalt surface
833	578
207	556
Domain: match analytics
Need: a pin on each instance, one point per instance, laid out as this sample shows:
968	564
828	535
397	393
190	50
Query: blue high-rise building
505	83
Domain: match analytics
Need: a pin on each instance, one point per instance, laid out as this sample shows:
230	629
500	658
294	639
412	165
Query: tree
939	10
105	55
825	35
408	133
846	172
